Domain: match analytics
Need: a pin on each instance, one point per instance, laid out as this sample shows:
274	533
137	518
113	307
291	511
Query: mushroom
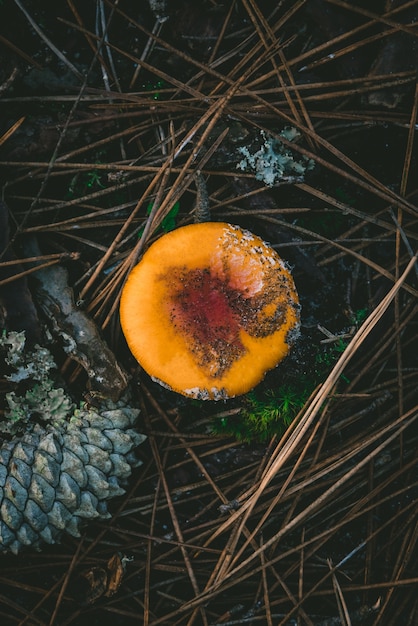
209	309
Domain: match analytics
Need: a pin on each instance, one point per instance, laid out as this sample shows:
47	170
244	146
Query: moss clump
264	414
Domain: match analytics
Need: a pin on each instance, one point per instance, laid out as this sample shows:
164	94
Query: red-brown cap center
204	309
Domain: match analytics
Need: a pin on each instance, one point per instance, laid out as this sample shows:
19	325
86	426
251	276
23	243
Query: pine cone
55	477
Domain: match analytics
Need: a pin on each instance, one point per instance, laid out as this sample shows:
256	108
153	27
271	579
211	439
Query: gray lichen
43	399
274	162
59	465
34	364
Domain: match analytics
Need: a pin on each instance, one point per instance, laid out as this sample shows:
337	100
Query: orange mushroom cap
209	309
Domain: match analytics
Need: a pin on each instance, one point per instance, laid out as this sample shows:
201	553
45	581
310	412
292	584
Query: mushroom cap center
204	309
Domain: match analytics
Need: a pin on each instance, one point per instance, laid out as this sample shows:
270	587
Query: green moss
265	413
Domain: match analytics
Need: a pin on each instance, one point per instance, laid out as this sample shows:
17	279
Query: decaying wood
78	333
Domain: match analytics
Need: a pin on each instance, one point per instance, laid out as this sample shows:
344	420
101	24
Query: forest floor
295	503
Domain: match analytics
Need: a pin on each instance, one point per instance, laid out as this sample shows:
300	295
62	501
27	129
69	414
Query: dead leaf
96	583
116	567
